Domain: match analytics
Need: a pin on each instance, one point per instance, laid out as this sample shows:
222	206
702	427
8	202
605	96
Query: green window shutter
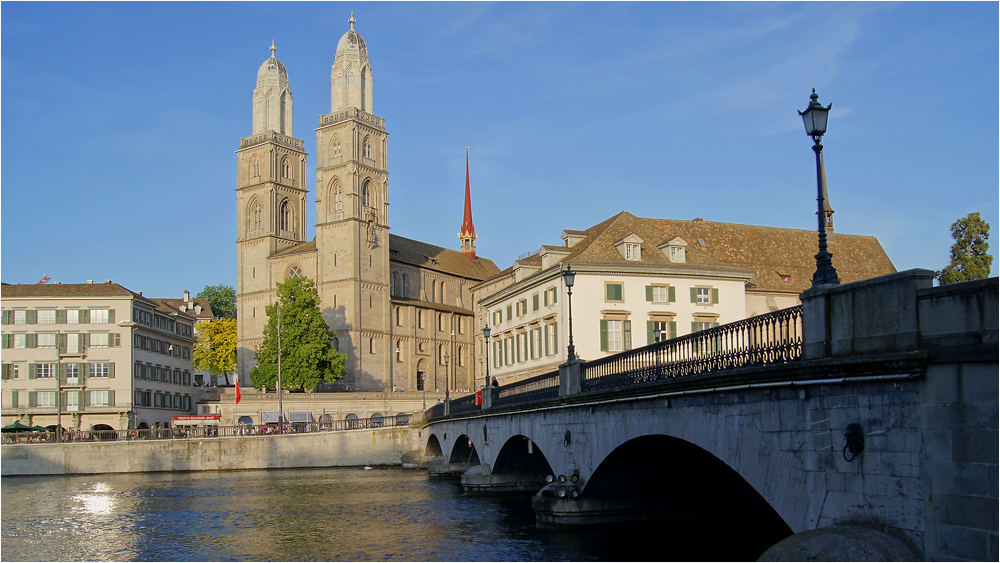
111	316
81	341
32	317
545	301
715	324
84	316
534	302
111	398
694	327
86	339
694	295
628	334
111	370
604	335
715	295
673	294
531	345
86	399
82	372
13	398
82	398
5	371
545	338
32	399
61	374
649	293
673	329
650	332
8	317
61	343
510	314
60	316
554	296
555	337
31	340
31	371
7	341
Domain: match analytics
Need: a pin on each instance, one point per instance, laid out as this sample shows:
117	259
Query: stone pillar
487	398
571	378
816	322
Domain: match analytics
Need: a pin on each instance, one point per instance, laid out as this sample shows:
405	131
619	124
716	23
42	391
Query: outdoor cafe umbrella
41	429
16	426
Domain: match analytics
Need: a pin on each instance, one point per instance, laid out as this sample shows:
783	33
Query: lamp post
569	277
281	414
447	394
486	342
815	119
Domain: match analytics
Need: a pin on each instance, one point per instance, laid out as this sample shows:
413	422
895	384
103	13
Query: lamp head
815	117
569	276
486	331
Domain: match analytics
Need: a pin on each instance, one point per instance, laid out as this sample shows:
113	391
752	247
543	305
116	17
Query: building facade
402	309
639	281
201	311
93	356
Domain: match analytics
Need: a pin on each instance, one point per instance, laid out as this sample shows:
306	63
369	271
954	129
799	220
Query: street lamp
815	118
447	394
486	342
569	277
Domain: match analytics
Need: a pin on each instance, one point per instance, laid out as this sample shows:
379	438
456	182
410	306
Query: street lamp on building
569	277
486	343
815	119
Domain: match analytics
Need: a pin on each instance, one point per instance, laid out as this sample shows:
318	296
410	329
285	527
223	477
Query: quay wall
349	448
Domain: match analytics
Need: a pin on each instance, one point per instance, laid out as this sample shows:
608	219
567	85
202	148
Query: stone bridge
875	403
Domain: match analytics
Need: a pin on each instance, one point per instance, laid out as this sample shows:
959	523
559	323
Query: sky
120	122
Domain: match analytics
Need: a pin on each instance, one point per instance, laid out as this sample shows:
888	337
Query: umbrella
16	426
41	429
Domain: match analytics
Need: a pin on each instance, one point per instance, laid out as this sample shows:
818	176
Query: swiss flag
237	389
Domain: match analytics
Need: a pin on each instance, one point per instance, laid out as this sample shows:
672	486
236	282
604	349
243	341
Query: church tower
352	217
468	233
270	200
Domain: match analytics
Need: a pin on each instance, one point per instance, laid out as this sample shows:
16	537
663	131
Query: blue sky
120	121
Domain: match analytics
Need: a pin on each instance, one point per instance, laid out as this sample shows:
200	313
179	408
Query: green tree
222	299
306	356
215	349
970	258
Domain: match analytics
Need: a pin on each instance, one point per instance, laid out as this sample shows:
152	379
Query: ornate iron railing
772	338
540	387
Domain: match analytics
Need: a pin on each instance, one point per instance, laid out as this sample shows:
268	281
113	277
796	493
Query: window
522	346
660	294
366	193
534	302
508	350
99	340
536	343
338	198
255	217
497	354
47	340
613	292
20	317
441	321
497	317
510	312
367	148
286	169
420	318
616	335
15	371
72	317
294	272
371	345
20	341
45	398
522	305
393	285
658	331
45	371
399	346
551	341
99	369
284	216
72	401
337	151
402	286
696	326
552	296
633	251
47	317
99	316
100	398
704	295
785	278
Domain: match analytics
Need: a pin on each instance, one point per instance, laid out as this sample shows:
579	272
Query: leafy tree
970	259
215	350
222	299
306	356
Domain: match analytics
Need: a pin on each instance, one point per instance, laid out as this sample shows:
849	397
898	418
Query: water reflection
302	515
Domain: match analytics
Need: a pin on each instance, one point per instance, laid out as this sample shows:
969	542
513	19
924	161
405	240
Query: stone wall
324	449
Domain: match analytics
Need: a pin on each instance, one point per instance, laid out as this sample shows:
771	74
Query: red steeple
468	233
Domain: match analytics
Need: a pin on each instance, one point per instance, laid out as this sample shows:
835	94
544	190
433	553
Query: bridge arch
433	447
464	451
521	465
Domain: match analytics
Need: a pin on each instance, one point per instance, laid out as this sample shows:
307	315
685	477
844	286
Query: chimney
90	281
187	296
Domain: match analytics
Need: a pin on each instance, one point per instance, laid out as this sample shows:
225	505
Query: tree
222	299
215	349
970	258
307	359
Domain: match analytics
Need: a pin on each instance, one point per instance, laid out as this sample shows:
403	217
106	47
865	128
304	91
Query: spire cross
351	20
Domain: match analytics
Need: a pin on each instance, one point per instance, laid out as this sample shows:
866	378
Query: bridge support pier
480	481
440	468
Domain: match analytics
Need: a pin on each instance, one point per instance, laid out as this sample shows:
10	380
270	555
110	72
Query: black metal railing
540	387
771	338
191	432
464	404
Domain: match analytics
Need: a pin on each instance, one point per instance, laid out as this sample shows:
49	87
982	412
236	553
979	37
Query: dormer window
630	247
675	250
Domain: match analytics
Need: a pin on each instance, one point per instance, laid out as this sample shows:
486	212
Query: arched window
441	295
255	167
399	348
393	286
284	216
434	291
286	169
255	216
402	286
338	197
335	343
371	345
352	421
378	420
294	272
367	148
441	354
366	193
335	151
440	321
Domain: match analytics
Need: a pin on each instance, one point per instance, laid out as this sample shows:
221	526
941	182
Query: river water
318	515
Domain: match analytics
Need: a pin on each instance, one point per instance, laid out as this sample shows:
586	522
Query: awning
300	416
270	417
16	426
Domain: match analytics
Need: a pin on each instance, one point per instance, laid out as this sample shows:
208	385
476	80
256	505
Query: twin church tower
402	309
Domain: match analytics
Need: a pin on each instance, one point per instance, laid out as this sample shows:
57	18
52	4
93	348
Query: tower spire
468	233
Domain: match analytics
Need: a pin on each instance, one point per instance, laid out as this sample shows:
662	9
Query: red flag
237	389
45	279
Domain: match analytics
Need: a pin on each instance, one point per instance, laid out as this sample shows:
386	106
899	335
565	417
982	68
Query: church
402	309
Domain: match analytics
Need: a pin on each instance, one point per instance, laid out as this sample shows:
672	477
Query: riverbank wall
351	448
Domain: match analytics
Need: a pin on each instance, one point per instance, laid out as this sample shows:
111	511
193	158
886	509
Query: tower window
365	193
338	198
284	216
367	148
286	169
255	168
255	216
336	150
294	272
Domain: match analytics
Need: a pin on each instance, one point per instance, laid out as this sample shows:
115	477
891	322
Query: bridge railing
464	404
771	338
540	387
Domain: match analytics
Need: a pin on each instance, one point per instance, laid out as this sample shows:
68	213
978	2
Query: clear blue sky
120	122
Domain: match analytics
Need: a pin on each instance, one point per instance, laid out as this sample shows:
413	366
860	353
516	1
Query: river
317	515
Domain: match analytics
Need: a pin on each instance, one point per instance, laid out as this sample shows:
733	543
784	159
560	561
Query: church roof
352	41
445	260
774	252
296	248
272	72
